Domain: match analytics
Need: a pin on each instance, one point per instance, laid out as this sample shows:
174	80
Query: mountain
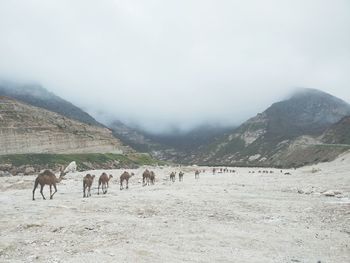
338	133
273	136
173	146
28	129
38	96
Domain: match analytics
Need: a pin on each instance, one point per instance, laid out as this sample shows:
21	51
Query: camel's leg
54	186
35	186
41	191
84	189
127	183
50	191
98	189
121	184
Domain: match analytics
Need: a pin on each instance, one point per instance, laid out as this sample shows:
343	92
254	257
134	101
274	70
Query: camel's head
93	176
110	176
132	174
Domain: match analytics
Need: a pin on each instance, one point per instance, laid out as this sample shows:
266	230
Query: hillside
173	146
339	133
38	96
285	134
27	129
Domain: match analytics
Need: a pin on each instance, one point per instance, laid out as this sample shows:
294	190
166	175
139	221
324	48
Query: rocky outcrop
28	129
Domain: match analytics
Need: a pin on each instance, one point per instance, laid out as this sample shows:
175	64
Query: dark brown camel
181	175
103	180
152	177
125	177
196	174
87	182
172	177
47	178
146	177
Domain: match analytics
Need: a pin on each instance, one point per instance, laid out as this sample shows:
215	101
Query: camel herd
148	178
49	178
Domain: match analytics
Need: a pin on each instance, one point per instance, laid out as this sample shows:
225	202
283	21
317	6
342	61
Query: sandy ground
227	217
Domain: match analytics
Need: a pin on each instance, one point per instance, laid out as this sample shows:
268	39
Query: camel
47	178
103	180
87	182
125	177
172	177
214	170
146	177
196	174
152	177
181	175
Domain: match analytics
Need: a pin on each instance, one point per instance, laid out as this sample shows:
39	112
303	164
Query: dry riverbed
227	217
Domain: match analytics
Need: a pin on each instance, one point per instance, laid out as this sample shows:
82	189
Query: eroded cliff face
28	129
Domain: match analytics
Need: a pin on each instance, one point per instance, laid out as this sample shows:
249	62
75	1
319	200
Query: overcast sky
176	63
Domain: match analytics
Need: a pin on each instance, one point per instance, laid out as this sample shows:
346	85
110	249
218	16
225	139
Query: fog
176	64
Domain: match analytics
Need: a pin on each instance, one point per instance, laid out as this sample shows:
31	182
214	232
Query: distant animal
47	178
125	177
103	180
146	177
181	176
152	177
287	173
214	170
172	177
87	182
196	174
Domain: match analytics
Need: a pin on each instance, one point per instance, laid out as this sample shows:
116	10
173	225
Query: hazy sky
176	63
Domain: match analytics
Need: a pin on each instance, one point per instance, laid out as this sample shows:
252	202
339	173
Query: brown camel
87	182
47	178
152	177
181	175
103	180
196	174
146	177
125	177
172	176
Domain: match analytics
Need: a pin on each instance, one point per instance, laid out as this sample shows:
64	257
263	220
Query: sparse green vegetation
52	160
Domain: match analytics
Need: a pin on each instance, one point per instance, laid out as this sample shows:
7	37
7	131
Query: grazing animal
152	177
103	180
172	177
196	174
87	182
181	176
47	178
146	177
125	177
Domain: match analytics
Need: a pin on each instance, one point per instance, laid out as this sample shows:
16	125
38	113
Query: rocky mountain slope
38	96
28	129
173	146
286	134
339	133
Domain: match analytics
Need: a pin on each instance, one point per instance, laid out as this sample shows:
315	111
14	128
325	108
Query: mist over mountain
36	95
285	134
161	65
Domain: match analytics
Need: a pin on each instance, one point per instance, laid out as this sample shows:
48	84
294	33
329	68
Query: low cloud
165	64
